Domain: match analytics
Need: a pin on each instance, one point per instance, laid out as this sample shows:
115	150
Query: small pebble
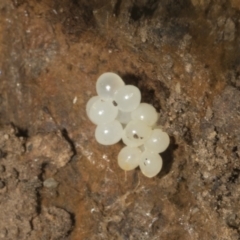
74	100
50	183
6	136
3	233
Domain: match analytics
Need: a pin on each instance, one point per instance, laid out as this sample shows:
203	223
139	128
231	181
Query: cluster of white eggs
119	115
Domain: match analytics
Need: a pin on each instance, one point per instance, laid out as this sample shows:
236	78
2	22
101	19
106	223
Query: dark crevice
46	110
148	94
72	217
117	7
167	157
235	151
15	173
31	224
38	194
187	136
69	140
39	202
219	202
216	184
2	154
151	7
234	176
18	3
131	79
79	18
233	227
43	167
216	140
138	11
21	132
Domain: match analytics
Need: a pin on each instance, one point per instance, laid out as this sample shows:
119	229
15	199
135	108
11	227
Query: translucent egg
102	111
107	84
109	133
150	163
90	102
128	158
146	113
128	98
136	133
124	117
158	141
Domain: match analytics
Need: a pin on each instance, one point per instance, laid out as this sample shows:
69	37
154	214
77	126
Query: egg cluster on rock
119	115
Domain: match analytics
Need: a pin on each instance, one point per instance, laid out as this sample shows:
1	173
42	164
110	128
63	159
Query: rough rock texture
52	146
22	216
184	57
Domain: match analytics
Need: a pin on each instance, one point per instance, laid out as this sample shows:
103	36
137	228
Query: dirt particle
135	136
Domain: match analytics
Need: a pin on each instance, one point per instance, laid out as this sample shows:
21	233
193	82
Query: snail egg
136	133
102	111
150	163
109	133
128	158
107	84
158	141
127	98
124	117
90	102
146	113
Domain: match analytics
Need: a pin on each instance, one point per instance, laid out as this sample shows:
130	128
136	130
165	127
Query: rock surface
22	215
184	57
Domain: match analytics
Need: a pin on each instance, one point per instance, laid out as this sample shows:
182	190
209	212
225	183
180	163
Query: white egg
128	142
127	98
158	141
124	117
150	163
136	133
119	104
109	133
128	158
102	111
90	102
107	84
146	113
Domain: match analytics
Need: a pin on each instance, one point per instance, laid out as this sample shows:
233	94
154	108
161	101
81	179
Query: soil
56	181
